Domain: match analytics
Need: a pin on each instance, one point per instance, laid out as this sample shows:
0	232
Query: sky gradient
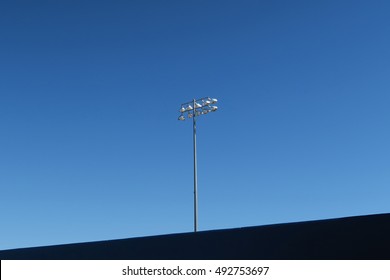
90	91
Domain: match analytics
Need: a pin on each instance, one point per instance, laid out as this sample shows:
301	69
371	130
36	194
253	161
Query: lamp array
198	107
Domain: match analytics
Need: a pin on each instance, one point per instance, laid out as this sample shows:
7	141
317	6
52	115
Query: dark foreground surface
362	237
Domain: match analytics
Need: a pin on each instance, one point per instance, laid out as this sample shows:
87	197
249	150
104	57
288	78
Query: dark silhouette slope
362	237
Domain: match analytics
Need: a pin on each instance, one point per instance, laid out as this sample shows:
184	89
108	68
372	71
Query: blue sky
90	92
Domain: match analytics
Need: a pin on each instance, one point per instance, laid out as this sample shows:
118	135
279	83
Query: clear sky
90	91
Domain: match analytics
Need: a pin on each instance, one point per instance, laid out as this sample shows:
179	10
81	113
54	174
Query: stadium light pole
193	109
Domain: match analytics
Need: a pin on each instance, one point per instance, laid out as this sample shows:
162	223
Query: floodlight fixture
206	102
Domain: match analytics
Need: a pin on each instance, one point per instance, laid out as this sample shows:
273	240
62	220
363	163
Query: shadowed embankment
361	237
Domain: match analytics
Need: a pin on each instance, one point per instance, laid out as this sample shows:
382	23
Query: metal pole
195	174
203	108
